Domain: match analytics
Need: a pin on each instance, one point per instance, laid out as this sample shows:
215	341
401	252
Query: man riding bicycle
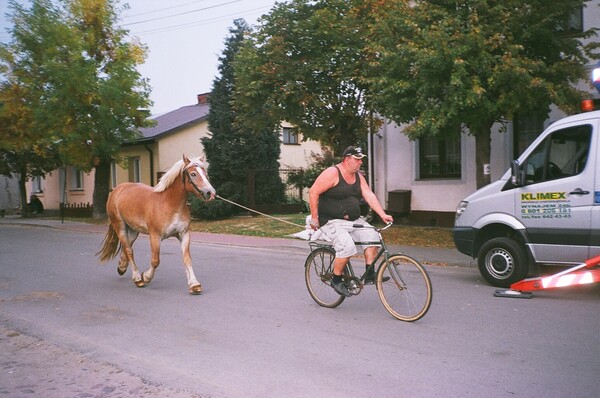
334	201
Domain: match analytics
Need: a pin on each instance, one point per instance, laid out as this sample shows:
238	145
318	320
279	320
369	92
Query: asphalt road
73	328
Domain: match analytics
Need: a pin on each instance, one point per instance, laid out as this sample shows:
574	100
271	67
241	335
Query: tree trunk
101	189
482	156
344	135
23	193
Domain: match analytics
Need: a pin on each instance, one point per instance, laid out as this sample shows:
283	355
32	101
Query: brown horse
160	212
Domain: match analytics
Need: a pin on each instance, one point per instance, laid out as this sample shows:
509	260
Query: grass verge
268	227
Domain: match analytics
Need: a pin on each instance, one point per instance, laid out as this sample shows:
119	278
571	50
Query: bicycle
402	283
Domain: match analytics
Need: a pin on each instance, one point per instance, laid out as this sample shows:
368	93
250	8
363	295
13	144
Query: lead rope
258	212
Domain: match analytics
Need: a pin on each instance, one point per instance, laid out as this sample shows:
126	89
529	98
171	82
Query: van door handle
579	191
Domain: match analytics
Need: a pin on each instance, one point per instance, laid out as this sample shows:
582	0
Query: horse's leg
193	284
123	260
155	259
127	236
123	263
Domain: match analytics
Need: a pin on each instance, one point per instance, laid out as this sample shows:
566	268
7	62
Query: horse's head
195	178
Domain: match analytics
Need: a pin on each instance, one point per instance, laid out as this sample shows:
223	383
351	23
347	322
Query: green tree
304	65
444	66
306	178
27	149
232	150
84	94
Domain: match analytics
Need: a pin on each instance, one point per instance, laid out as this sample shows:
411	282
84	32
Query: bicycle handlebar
387	226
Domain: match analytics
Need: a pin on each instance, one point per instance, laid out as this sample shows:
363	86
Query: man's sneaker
340	288
369	278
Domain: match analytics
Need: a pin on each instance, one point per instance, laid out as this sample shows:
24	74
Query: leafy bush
306	178
216	209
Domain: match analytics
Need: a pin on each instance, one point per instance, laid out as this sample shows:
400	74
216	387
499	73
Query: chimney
203	98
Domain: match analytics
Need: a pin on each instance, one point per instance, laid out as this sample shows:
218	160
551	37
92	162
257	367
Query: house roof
174	121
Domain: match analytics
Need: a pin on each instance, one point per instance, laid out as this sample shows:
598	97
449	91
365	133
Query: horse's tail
111	245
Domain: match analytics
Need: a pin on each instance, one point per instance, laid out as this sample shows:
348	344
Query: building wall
396	168
54	188
9	195
433	202
172	147
164	153
123	171
300	155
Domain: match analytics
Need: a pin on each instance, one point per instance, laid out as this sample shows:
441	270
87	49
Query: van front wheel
502	262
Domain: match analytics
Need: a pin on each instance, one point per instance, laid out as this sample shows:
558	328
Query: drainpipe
371	159
151	164
64	193
370	151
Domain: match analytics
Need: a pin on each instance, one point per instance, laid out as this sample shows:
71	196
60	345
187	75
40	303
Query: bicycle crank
353	284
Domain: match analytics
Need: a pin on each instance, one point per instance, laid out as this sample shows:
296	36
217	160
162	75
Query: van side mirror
517	175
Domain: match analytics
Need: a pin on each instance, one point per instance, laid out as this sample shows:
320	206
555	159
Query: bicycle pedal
354	287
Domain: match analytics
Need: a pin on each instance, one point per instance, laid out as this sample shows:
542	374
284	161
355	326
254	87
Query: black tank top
342	201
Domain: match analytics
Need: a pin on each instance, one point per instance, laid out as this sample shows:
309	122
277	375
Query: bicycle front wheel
407	294
318	272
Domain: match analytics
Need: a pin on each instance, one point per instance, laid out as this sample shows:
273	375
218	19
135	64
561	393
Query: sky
184	38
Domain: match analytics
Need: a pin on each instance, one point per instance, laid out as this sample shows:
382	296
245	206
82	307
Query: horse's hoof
196	290
120	271
139	283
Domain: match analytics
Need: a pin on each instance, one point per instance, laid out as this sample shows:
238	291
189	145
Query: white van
544	210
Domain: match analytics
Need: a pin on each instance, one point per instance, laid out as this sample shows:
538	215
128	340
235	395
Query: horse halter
186	173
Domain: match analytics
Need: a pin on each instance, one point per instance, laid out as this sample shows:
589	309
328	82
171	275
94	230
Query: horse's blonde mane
174	172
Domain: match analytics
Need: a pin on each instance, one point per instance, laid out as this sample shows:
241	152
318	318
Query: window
75	179
134	169
37	184
290	136
563	153
439	158
575	23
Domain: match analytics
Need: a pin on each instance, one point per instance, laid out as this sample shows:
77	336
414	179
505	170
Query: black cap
354	151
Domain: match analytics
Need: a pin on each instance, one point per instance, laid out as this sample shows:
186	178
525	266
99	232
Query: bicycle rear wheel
407	294
318	271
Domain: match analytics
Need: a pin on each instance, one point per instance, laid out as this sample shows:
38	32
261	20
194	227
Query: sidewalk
426	255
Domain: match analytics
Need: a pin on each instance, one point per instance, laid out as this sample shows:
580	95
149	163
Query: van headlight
462	207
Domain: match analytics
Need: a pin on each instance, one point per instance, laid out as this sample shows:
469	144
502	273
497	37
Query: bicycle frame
383	250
